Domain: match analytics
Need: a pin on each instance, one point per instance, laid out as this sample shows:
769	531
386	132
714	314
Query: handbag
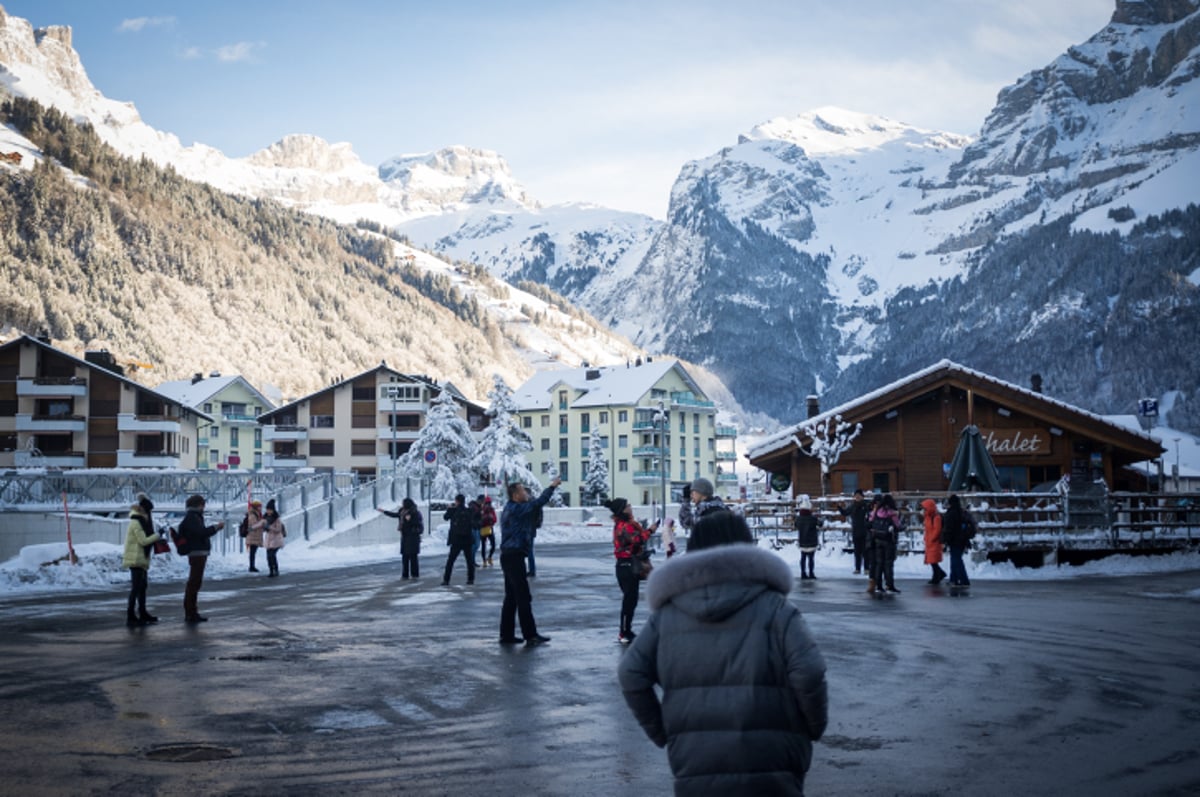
162	546
641	565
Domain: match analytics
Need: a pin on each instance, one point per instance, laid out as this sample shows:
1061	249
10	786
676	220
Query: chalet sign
1016	442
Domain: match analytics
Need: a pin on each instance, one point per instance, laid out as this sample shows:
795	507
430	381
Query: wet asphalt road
352	681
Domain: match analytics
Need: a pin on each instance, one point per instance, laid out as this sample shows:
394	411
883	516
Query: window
697	469
881	482
849	482
563	471
321	422
546	467
545	443
362	448
409	421
233	437
623	416
604	417
320	448
562	447
585	443
623	465
562	424
712	444
208	408
604	441
562	399
683	421
545	421
683	470
258	437
585	422
527	422
257	460
214	456
622	441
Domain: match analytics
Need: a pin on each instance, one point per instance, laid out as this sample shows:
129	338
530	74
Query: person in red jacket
629	542
933	540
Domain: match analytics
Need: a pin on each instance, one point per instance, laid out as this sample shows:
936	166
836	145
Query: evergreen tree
450	436
595	486
500	456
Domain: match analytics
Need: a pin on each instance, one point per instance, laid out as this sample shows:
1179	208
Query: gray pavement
351	681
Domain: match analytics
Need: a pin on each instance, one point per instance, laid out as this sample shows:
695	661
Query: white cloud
138	24
239	51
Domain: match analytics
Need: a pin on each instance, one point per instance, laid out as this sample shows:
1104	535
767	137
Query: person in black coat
199	542
858	513
411	527
958	527
808	537
460	538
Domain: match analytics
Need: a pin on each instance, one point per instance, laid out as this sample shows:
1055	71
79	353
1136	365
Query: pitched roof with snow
614	385
195	392
943	368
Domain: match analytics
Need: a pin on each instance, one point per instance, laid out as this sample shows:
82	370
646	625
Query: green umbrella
972	467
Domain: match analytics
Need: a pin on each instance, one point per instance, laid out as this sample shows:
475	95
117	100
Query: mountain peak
831	130
303	151
453	176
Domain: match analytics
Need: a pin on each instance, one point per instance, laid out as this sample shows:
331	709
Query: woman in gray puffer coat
743	683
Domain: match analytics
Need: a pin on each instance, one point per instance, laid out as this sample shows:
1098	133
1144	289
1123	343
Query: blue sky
587	101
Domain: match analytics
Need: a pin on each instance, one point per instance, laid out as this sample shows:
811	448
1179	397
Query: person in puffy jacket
743	683
273	537
254	531
411	527
885	535
139	535
933	540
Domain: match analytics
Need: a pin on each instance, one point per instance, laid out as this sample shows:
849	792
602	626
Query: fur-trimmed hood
714	583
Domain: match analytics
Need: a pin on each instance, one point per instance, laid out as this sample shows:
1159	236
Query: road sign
431	457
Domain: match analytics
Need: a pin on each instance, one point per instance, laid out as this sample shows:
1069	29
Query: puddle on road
347	720
187	753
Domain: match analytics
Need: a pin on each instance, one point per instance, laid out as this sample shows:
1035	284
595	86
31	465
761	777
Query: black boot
146	617
132	620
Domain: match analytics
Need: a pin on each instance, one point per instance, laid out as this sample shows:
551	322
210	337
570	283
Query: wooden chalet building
911	428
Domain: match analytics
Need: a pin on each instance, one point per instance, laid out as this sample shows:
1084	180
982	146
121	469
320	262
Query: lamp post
662	454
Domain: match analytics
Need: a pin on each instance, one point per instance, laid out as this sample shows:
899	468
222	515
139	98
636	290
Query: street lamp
662	454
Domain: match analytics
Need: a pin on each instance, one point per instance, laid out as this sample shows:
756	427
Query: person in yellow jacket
139	536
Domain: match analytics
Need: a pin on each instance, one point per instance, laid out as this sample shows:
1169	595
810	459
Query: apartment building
59	411
361	424
234	438
657	427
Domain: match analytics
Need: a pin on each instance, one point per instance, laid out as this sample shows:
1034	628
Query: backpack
882	528
244	528
181	544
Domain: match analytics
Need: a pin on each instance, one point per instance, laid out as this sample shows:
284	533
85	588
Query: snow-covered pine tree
828	439
500	455
595	486
450	436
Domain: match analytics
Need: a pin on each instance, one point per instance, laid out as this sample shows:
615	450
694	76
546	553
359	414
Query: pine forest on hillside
175	273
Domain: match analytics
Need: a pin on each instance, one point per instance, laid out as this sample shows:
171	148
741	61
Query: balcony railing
128	422
727	478
647	476
284	433
647	451
57	459
642	425
729	456
50	423
239	418
51	386
688	399
385	433
284	461
726	431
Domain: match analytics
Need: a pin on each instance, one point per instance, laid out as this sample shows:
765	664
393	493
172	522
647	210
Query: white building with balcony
60	411
234	439
658	429
361	424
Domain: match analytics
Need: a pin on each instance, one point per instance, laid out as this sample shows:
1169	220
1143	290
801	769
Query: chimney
814	406
44	337
104	359
197	377
593	373
1035	383
215	374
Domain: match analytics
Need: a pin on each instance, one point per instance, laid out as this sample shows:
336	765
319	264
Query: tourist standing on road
957	530
629	543
885	534
742	681
516	537
411	526
487	532
199	544
459	538
858	514
476	507
252	525
668	537
933	540
139	538
273	539
808	537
